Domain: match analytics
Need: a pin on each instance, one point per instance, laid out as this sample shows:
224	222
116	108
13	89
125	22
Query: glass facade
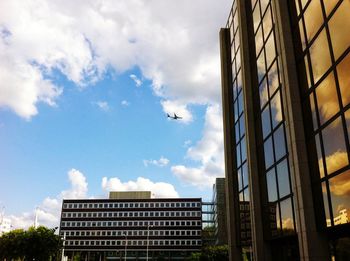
241	169
277	171
323	27
296	63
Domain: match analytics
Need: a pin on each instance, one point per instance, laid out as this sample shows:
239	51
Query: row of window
133	243
132	233
132	214
128	223
133	205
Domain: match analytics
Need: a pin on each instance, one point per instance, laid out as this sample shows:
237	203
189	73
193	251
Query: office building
219	212
131	227
208	224
286	105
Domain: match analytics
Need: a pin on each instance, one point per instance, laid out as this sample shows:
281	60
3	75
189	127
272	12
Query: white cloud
79	185
137	81
162	162
180	108
208	152
180	56
158	189
125	103
103	105
187	143
48	211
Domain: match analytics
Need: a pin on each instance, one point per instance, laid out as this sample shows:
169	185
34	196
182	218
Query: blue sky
84	95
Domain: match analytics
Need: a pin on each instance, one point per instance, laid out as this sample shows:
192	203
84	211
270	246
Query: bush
36	243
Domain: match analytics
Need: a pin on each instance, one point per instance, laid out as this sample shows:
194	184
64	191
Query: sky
85	87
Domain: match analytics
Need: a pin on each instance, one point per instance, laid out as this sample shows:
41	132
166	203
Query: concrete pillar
259	208
232	204
313	243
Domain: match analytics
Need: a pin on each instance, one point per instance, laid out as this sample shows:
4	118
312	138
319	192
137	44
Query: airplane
175	117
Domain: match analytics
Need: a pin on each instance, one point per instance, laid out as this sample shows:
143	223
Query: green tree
211	253
34	244
12	245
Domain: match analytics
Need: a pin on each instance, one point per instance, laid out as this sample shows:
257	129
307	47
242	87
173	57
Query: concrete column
259	209
312	243
231	183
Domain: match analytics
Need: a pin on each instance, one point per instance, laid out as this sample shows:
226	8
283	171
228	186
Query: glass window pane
271	185
238	155
240	103
235	110
266	124
339	187
303	3
320	56
245	174
344	79
246	194
302	34
241	125
319	156
237	132
297	7
339	29
278	218
268	152
273	78
270	50
327	99
280	145
276	110
283	179
238	64
263	93
267	22
329	5
239	175
237	44
253	3
261	66
258	40
313	18
307	69
239	79
241	196
313	111
347	117
277	221
235	19
243	150
325	204
263	3
231	32
234	85
334	146
256	17
287	217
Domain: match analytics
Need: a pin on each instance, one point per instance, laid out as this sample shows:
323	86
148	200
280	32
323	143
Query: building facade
134	229
219	211
286	105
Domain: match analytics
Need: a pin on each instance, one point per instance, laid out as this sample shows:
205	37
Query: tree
34	244
12	245
211	253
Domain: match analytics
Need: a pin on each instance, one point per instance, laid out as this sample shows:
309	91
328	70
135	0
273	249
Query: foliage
34	244
211	253
77	257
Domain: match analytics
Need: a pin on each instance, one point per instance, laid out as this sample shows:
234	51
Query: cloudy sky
85	86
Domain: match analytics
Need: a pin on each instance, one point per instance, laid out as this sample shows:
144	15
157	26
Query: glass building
286	106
